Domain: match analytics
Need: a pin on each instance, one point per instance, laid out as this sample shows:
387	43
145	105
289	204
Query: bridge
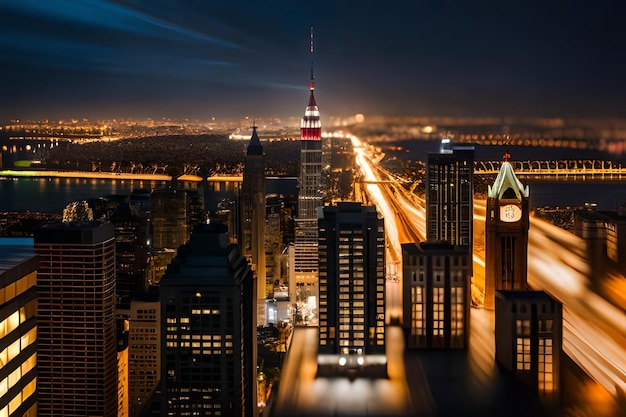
559	169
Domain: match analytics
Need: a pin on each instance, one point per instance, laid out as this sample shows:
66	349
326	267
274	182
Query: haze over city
183	231
101	59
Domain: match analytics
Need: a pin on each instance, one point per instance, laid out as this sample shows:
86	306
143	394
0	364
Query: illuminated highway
594	330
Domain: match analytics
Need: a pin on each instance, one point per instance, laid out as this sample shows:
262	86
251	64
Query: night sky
229	58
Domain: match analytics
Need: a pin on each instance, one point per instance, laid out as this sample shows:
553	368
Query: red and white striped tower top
310	126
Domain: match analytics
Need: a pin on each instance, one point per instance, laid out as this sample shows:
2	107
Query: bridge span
566	168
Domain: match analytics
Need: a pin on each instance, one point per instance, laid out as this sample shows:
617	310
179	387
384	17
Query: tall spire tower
305	262
310	196
253	217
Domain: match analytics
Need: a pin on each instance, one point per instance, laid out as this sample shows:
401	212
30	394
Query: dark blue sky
225	58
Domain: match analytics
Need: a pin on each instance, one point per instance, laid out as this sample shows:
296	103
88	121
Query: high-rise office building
143	314
253	217
351	284
76	320
529	335
450	194
436	305
18	328
208	324
506	234
304	252
169	218
131	249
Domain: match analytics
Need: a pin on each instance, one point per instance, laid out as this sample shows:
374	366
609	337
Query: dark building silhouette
274	205
351	284
208	327
174	213
131	250
450	195
76	355
436	295
591	225
139	201
132	234
253	217
18	327
529	334
506	234
603	232
616	237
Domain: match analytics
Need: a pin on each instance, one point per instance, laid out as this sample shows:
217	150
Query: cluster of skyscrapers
78	345
188	348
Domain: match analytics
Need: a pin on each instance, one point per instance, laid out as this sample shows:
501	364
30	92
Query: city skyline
99	59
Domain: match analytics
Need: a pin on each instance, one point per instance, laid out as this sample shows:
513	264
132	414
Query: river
51	195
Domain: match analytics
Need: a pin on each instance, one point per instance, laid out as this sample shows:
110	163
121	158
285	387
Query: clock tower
506	234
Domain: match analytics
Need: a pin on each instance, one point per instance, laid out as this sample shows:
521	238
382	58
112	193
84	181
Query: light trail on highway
594	330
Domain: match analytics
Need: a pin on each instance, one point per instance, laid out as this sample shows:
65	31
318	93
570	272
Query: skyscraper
450	195
506	234
309	195
253	217
76	319
18	328
143	312
208	324
351	284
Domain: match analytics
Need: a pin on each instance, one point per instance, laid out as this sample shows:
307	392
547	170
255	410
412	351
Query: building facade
208	307
529	335
274	246
506	234
436	296
450	195
122	368
18	328
351	283
76	356
144	349
253	218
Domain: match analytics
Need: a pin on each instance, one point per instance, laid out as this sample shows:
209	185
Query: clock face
510	213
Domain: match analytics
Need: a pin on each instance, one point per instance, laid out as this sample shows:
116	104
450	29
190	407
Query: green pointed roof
506	179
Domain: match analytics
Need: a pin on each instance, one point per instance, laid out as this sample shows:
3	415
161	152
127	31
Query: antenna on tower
312	83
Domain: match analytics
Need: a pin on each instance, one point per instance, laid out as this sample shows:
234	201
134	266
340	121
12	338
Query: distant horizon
325	118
